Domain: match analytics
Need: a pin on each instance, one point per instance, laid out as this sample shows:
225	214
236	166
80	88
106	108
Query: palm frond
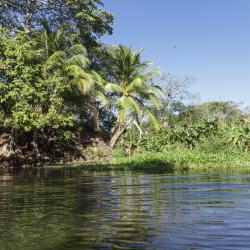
77	72
137	83
113	88
98	79
153	72
128	64
152	119
59	36
135	107
156	90
102	98
77	49
142	66
56	60
58	55
123	108
129	104
83	85
155	101
122	115
79	60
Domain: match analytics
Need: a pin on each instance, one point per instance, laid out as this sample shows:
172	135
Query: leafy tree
223	111
85	18
131	90
87	85
175	94
32	86
47	78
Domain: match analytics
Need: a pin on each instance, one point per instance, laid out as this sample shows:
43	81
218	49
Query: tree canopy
86	18
59	83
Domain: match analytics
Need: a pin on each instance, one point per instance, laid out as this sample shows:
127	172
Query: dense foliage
57	80
62	89
207	134
85	18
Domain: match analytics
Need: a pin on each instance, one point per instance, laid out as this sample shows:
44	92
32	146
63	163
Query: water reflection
73	209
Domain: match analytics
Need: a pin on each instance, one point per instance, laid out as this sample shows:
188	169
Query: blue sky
207	39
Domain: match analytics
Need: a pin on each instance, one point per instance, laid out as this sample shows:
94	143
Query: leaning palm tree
131	89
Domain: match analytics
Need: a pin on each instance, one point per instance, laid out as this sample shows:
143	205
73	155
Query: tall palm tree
131	89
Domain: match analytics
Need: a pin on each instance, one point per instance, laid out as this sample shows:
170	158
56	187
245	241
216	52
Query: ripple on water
73	209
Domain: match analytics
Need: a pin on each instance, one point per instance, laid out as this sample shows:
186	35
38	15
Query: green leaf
113	88
152	119
79	60
99	95
136	83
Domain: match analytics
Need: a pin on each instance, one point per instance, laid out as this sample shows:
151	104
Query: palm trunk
140	131
94	114
118	131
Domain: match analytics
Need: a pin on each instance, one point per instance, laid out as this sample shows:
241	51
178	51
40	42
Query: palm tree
53	40
131	89
86	85
53	44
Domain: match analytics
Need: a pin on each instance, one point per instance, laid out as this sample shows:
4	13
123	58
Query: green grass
185	159
172	159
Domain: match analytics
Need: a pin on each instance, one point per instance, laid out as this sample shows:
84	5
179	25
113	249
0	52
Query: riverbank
177	159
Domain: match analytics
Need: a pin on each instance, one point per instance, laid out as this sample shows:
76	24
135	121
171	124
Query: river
43	209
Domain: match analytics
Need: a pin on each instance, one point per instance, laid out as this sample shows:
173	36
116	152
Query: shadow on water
66	209
148	166
56	208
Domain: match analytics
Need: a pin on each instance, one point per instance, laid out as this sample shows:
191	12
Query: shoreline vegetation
68	98
175	161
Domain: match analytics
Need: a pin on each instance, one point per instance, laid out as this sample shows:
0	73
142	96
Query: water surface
75	209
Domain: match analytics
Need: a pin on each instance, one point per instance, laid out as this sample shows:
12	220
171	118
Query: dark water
73	209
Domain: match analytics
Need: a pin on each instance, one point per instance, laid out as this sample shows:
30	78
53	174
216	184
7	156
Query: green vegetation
182	159
177	159
65	96
205	138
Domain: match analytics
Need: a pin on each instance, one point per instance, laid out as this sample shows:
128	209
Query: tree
175	94
222	111
41	75
19	13
130	90
87	85
85	18
45	57
32	86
